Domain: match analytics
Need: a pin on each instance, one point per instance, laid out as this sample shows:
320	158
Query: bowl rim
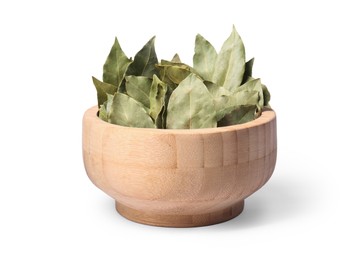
266	116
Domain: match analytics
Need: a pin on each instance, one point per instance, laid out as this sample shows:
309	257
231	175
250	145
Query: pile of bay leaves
218	90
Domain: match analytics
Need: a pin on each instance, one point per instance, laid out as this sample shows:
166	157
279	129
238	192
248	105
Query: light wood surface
179	178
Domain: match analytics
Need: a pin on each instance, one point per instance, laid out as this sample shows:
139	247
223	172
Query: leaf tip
235	32
176	58
199	37
152	40
95	80
116	41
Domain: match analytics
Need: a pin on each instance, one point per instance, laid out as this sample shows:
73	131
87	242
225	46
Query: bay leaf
122	87
220	98
191	105
102	90
138	87
173	73
163	116
116	65
266	96
227	104
126	111
144	61
204	58
102	113
164	111
230	64
240	115
248	94
176	58
256	85
166	62
215	90
105	108
157	100
248	70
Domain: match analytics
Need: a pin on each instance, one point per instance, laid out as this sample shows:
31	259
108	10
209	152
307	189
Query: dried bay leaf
158	91
266	96
177	74
145	61
220	98
164	114
240	115
230	63
215	90
170	94
138	87
176	58
248	94
252	86
204	58
102	90
248	70
116	65
105	108
191	106
173	73
102	113
126	111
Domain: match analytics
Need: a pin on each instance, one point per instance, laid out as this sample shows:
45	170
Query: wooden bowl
179	178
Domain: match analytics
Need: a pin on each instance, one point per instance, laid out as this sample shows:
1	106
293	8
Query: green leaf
102	113
105	108
191	105
263	93
215	90
145	61
230	63
240	115
164	116
102	90
166	62
157	100
266	96
126	111
248	70
204	58
244	105
255	86
173	73
116	65
248	94
176	58
138	87
164	112
220	98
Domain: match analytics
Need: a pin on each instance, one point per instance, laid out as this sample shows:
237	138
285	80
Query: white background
309	54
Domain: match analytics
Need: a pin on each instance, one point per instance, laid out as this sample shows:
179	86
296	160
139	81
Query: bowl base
180	220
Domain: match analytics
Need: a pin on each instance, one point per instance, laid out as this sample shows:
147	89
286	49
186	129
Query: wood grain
179	178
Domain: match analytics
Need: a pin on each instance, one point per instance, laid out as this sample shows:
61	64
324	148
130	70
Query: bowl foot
180	220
